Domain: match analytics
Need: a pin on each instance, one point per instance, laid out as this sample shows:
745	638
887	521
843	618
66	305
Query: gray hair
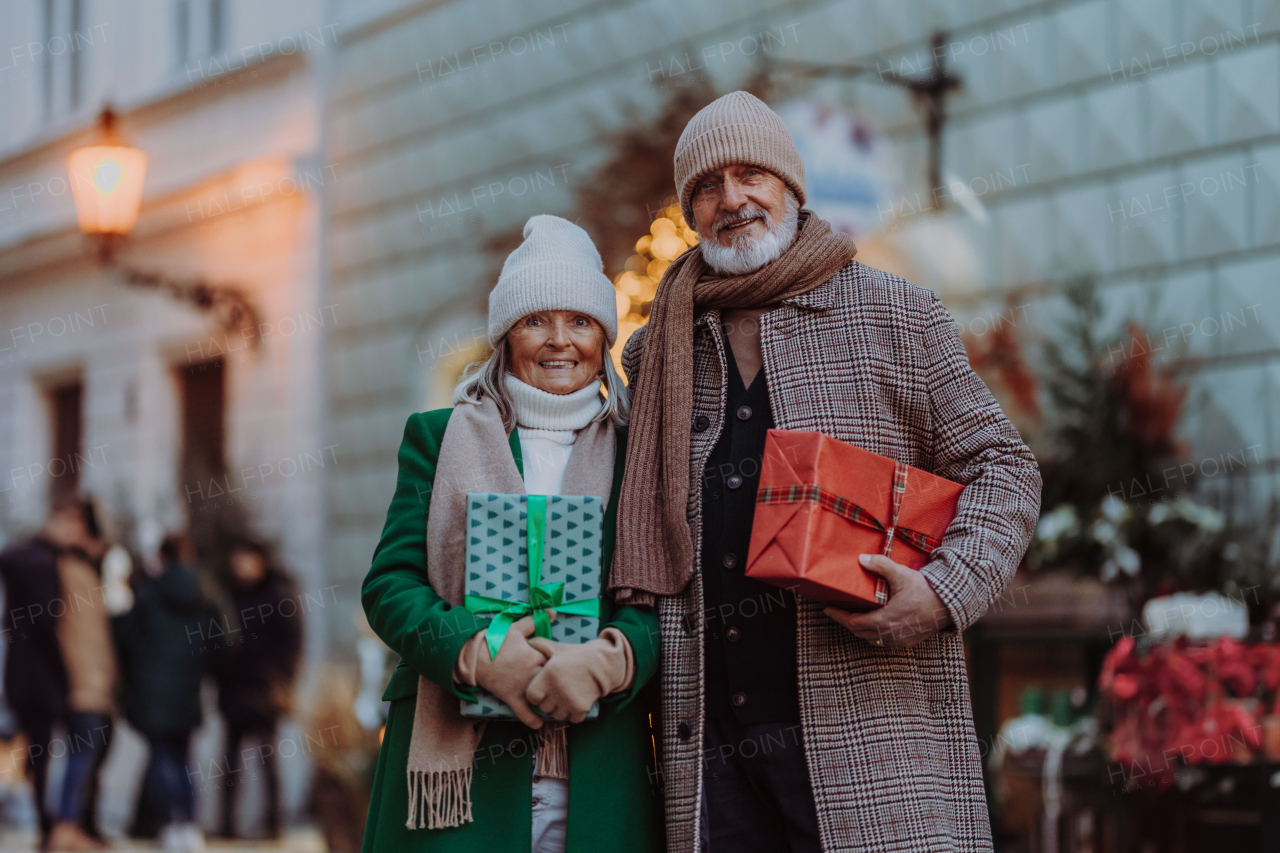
486	378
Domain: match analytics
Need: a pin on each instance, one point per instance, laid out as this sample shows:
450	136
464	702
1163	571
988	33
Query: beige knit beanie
736	128
556	268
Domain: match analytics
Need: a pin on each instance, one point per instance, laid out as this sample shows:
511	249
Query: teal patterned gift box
562	534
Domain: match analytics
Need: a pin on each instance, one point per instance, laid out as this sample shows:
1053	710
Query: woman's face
557	351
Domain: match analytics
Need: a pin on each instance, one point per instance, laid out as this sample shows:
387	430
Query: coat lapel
514	441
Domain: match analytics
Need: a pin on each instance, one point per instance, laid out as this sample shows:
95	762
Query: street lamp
106	182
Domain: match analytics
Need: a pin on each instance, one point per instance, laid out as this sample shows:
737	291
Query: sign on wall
852	176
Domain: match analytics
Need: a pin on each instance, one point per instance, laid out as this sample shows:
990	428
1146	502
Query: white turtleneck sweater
548	424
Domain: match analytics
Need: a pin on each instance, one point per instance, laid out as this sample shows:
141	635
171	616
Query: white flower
1159	514
1109	571
1104	532
1113	509
1128	560
1062	521
1204	517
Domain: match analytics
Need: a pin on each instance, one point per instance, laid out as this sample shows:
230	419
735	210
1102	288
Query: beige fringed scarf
654	554
475	456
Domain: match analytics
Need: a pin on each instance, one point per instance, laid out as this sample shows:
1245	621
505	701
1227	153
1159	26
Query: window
65	37
66	408
199	27
203	418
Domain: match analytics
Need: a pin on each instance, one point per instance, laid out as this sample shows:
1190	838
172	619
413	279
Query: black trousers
757	792
264	733
39	732
89	817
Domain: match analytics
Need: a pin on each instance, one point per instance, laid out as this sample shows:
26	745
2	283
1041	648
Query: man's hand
913	614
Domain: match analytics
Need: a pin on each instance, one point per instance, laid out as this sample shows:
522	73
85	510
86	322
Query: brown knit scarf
654	554
475	456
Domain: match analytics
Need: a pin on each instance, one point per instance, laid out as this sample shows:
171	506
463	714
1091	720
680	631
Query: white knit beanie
556	268
737	128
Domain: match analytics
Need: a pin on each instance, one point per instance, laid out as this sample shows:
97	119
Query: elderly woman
531	418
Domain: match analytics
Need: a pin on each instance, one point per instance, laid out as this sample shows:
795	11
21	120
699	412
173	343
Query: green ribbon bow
542	596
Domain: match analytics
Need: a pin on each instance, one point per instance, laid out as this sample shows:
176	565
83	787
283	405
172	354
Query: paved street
297	841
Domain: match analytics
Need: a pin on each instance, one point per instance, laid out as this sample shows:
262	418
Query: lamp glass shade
106	181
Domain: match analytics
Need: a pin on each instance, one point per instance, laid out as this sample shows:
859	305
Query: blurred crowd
94	633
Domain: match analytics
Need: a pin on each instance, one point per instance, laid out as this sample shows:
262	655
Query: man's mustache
731	219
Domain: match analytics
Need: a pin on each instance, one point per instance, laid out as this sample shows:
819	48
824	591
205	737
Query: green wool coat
614	803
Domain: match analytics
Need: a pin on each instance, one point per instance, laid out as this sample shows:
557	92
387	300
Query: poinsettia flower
1188	677
1120	657
1239	677
1174	701
1124	687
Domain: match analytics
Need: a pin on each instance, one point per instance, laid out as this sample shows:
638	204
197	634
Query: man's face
737	203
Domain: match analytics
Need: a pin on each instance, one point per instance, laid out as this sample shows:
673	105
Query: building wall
1061	130
234	195
421	130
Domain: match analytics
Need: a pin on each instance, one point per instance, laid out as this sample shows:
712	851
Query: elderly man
786	725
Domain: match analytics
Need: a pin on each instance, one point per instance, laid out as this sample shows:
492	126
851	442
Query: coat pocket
940	662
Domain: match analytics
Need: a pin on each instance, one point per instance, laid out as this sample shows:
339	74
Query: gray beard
748	254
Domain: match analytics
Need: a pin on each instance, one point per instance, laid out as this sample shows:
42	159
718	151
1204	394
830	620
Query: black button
744	413
739	699
729	560
733	481
514	744
701	422
683	731
733	635
689	622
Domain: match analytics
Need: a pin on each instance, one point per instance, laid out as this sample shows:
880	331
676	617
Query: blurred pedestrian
35	675
84	636
165	651
255	680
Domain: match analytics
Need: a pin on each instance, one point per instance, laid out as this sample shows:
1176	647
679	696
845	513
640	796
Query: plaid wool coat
871	359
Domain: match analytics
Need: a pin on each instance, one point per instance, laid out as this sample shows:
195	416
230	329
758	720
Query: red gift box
822	503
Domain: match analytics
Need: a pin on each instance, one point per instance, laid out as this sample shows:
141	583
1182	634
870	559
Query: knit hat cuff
768	147
527	297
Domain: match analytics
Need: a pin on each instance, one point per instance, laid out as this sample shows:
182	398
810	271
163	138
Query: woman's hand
576	676
508	675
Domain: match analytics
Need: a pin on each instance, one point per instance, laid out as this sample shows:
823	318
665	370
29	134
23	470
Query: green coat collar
514	440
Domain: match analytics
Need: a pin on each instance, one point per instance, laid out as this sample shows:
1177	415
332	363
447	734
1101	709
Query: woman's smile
557	351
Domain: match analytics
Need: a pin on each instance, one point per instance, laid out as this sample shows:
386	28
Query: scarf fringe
439	798
552	760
